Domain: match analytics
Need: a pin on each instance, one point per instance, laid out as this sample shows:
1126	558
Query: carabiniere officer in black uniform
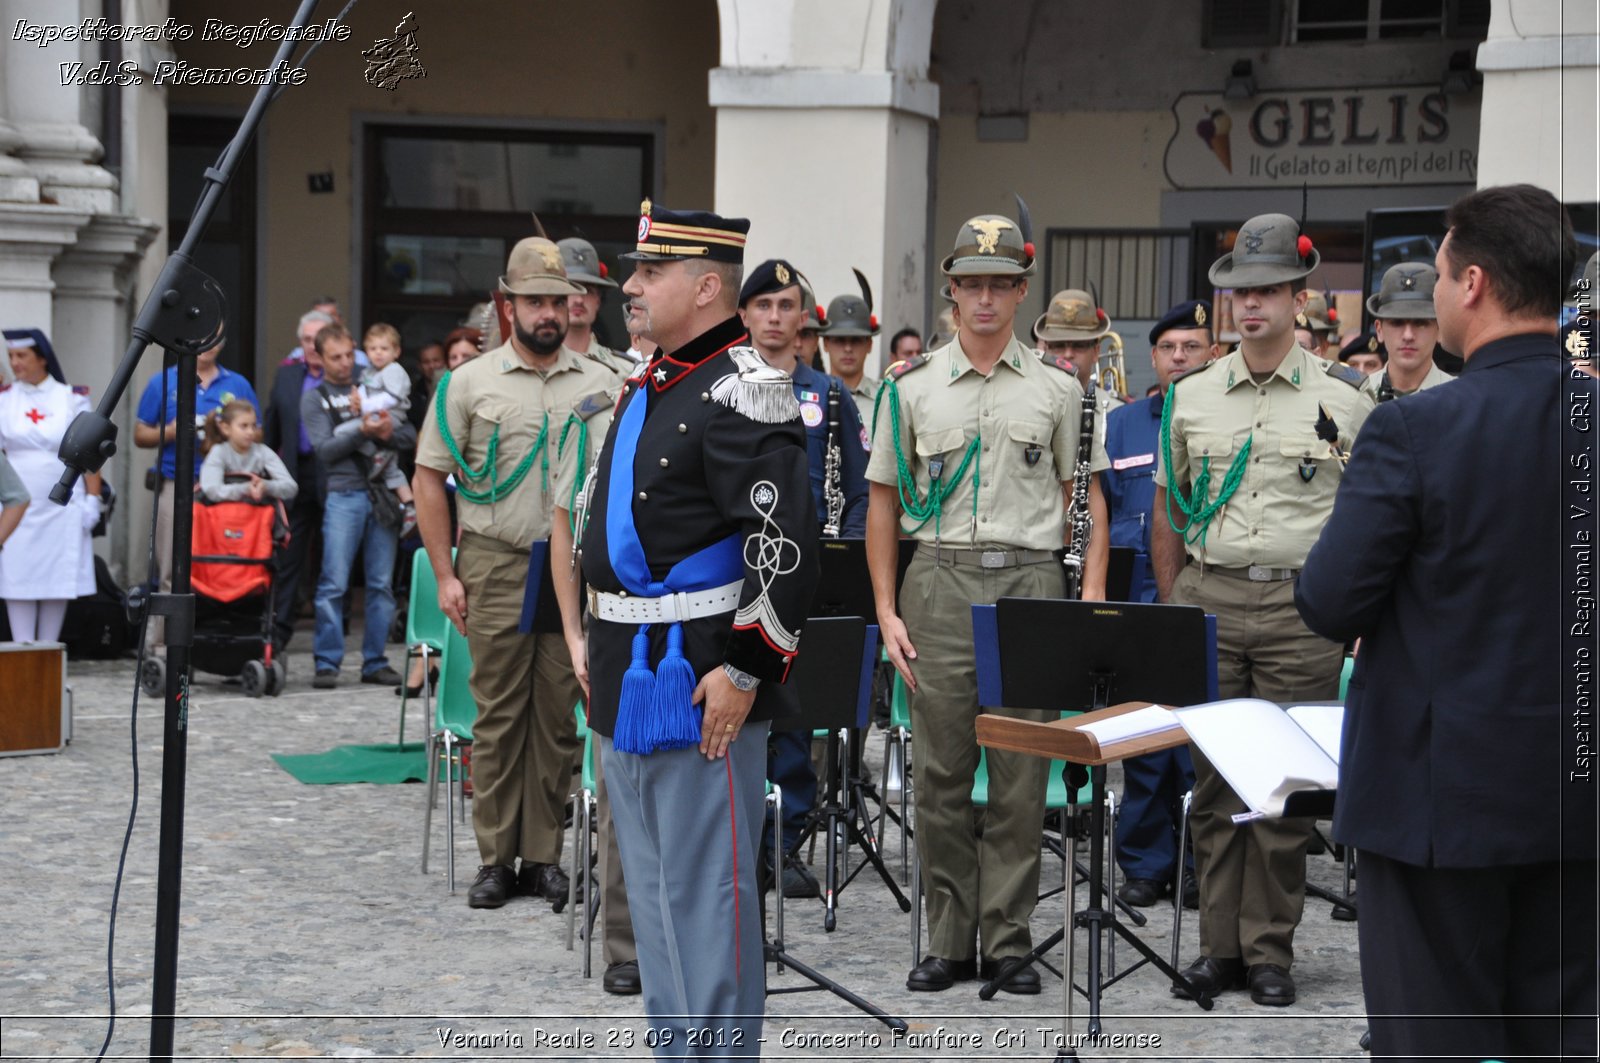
700	551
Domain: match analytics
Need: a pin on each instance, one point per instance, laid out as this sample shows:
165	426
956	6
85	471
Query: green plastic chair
585	821
1344	676
454	714
425	631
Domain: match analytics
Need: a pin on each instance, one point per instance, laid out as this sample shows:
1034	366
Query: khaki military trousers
1253	876
976	886
616	925
524	743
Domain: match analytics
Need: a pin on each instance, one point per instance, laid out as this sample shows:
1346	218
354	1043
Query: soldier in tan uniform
1314	325
577	452
505	405
847	339
1073	327
1250	458
1406	324
973	456
585	269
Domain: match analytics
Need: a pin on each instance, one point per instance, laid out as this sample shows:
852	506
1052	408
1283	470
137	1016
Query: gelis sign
1396	135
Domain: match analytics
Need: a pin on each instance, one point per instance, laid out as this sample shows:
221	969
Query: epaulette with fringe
904	366
757	390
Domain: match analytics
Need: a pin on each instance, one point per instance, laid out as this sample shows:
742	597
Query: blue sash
655	710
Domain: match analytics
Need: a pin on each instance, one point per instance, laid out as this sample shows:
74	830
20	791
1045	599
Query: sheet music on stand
1280	762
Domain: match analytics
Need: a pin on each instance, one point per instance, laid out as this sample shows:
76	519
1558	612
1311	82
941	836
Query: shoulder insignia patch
1346	374
589	405
80	389
757	390
1059	361
904	366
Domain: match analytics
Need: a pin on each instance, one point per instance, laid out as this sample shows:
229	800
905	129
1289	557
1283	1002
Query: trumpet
1112	375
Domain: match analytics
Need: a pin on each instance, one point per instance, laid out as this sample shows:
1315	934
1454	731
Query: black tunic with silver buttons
698	471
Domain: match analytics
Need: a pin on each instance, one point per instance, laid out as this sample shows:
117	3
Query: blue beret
1366	342
1196	313
773	275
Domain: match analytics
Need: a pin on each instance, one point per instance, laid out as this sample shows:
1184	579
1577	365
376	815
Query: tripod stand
829	680
1109	642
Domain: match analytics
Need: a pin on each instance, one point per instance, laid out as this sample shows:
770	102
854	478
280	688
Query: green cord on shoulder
581	465
915	506
1198	512
497	488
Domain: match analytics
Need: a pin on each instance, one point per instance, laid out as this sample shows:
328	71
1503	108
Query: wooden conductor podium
33	705
1061	739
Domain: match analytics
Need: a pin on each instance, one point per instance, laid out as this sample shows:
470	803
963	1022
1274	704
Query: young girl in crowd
234	424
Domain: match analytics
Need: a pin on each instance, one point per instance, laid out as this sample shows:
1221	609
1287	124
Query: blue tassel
632	732
675	724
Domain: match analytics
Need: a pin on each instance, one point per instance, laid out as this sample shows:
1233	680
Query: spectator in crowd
234	424
431	365
328	307
907	343
349	521
385	385
286	435
1366	354
462	346
48	559
156	425
14	500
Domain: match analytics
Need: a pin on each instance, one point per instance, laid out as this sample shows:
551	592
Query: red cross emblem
35	416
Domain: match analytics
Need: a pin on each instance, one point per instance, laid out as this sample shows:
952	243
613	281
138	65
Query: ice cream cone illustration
1221	126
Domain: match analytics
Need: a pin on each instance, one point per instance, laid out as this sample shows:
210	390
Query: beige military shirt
1290	475
615	361
577	446
1026	415
1374	383
498	390
866	396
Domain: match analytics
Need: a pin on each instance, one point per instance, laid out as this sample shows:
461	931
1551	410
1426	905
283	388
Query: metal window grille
1138	273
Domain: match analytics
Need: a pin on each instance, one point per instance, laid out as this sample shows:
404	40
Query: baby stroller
235	545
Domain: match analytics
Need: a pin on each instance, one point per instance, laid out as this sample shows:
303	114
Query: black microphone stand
183	314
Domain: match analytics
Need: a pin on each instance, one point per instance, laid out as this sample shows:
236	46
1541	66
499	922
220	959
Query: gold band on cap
696	232
674	249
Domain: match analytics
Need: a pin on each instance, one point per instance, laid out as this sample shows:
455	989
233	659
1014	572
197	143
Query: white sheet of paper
1324	723
1152	719
1258	748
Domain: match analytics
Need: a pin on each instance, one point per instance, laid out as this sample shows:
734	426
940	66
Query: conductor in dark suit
283	432
1464	780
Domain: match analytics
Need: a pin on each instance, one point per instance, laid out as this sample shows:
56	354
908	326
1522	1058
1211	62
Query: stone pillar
91	297
1541	76
824	116
17	183
31	237
47	116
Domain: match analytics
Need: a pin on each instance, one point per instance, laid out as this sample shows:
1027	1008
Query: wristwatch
742	680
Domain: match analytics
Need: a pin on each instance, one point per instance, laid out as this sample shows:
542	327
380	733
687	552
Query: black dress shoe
1212	977
493	887
1023	983
383	677
1141	892
798	882
622	978
936	973
1271	985
543	880
1191	893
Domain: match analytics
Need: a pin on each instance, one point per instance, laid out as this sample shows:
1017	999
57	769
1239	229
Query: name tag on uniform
1133	461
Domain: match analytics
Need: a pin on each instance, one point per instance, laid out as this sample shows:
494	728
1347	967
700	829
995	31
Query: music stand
844	584
828	677
1111	645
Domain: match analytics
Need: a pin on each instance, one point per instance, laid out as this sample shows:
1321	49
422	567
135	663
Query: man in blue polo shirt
156	425
1154	785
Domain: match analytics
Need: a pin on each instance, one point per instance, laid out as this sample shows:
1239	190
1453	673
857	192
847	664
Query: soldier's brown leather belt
985	558
1255	573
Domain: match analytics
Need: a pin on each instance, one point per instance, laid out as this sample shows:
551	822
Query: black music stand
833	678
827	677
1111	649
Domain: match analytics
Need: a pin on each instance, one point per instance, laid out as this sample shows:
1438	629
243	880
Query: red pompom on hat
604	273
822	314
872	320
1100	315
1304	246
1027	248
1333	314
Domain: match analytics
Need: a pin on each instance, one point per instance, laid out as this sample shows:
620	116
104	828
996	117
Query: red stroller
235	545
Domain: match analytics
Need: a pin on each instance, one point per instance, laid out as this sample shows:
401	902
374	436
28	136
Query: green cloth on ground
375	764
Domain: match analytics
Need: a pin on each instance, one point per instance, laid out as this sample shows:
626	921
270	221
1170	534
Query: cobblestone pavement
308	928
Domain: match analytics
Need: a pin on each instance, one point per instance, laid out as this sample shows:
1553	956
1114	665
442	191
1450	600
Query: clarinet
833	468
1078	514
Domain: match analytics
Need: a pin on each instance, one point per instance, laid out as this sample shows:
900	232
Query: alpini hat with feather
991	245
1269	249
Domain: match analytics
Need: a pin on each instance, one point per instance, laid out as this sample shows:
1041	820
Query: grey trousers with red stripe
689	829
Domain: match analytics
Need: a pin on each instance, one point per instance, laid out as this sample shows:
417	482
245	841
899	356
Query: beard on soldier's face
544	338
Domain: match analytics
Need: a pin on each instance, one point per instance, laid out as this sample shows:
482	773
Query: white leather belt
669	609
